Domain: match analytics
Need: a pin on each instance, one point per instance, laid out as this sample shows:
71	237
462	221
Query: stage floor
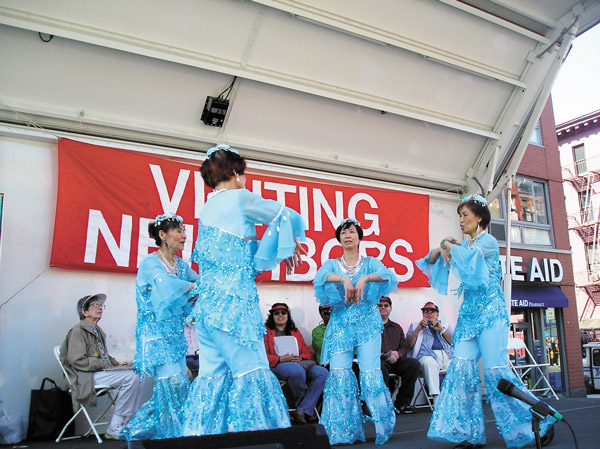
583	414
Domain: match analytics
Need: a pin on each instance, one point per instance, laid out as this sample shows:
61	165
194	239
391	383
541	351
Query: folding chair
101	390
291	408
422	389
529	368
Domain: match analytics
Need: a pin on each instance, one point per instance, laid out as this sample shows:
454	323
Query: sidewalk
583	414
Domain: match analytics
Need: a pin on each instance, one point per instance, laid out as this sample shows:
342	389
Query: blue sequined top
229	258
162	301
351	324
478	269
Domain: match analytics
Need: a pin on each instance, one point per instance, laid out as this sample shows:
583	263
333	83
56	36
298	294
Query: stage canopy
438	94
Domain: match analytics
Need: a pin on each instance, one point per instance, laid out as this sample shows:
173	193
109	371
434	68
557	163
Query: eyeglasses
326	312
429	311
279	312
383	305
98	305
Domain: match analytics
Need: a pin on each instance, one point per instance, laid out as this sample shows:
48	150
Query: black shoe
406	409
467	445
548	436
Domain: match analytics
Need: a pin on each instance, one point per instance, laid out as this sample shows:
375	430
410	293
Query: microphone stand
536	418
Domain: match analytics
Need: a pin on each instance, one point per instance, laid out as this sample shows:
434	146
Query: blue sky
575	91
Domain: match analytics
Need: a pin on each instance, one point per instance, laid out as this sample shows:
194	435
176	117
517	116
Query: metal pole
507	287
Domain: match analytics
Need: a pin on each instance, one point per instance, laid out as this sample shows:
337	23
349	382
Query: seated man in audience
430	343
86	359
319	332
394	358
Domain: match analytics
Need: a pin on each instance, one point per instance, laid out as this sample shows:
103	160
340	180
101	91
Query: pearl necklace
350	269
474	239
215	193
170	269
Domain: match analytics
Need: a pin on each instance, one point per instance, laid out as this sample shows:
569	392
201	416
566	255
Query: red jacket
270	346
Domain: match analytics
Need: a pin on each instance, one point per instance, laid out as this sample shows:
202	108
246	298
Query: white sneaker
114	432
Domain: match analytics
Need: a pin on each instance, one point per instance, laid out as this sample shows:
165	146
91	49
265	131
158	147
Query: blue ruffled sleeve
375	290
169	294
284	226
328	293
437	273
332	293
469	262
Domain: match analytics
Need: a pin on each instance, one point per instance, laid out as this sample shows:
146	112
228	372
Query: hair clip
221	146
169	216
476	198
350	220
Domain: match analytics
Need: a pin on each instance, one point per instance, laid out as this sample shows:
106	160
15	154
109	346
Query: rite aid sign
538	270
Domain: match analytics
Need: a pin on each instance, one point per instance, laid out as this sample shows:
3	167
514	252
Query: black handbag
49	411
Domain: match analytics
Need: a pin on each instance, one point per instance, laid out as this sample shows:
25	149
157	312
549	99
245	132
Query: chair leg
92	426
62	432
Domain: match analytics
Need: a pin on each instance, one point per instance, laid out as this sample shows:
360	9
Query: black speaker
311	436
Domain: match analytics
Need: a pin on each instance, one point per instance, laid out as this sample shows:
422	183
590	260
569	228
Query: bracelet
443	330
442	243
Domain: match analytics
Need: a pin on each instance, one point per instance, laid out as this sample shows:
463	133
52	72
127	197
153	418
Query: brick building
579	146
544	307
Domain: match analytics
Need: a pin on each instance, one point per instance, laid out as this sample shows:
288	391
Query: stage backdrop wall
37	301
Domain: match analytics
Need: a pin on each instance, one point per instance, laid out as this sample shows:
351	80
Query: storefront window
538	329
552	348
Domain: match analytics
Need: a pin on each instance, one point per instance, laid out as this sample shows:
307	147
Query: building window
585	203
530	221
579	159
593	260
536	136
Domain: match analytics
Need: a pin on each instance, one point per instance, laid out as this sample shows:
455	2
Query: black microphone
510	389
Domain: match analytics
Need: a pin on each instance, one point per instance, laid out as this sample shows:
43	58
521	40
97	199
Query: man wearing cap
394	358
319	332
429	342
85	357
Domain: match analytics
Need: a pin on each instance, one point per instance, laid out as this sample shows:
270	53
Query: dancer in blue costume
163	286
481	331
352	285
235	389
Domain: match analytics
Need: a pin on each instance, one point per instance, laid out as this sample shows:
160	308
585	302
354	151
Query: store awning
538	297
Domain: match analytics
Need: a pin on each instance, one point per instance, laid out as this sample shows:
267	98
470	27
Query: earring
477	228
238	177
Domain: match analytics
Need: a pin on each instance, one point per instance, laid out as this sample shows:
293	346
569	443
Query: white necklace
170	269
215	193
474	239
350	269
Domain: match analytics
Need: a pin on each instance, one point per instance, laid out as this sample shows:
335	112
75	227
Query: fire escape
586	224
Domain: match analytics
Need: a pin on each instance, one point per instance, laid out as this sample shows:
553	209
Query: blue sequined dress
481	331
353	326
235	389
162	301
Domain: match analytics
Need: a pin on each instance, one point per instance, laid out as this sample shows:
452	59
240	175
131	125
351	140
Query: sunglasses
279	312
326	312
429	311
383	305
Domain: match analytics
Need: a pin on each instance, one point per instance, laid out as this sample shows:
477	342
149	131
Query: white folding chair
529	367
101	390
282	383
422	389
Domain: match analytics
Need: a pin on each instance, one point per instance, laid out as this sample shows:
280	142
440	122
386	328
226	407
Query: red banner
107	196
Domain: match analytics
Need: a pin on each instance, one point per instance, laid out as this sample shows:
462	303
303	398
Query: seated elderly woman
305	378
86	359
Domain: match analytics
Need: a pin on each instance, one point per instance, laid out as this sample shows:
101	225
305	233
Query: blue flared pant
458	415
342	414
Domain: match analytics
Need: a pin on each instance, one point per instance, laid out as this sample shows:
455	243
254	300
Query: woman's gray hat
82	302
